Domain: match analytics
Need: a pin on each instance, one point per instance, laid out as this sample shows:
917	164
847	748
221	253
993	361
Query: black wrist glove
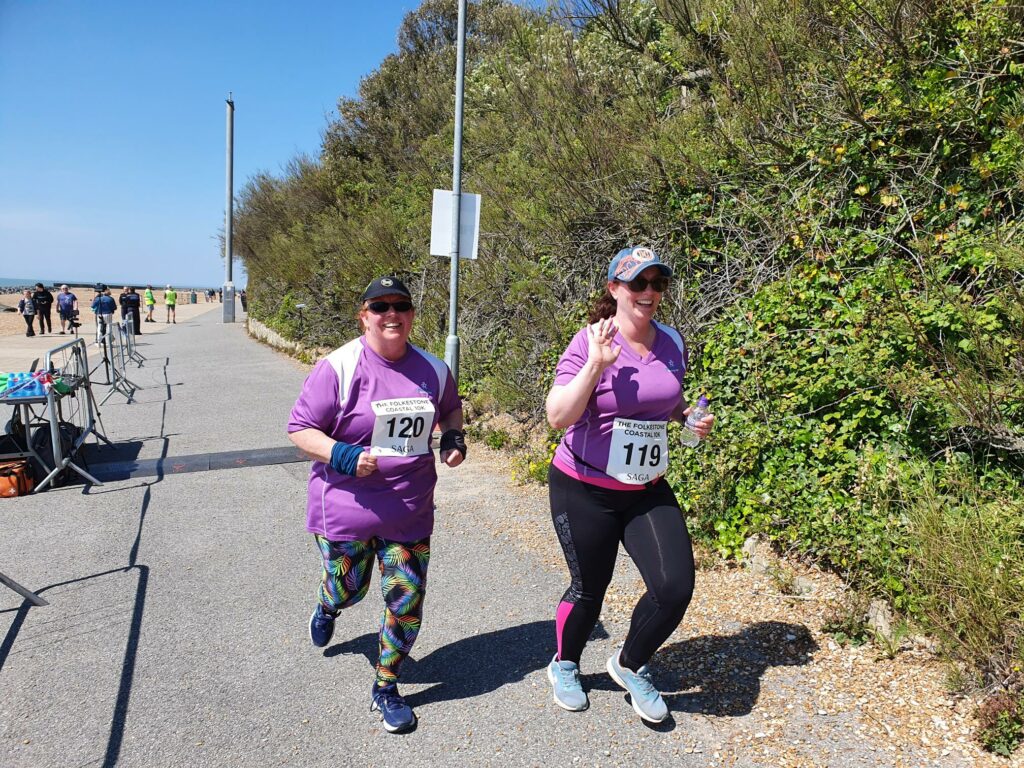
454	440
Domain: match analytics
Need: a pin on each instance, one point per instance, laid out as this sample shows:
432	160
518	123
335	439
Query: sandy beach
17	351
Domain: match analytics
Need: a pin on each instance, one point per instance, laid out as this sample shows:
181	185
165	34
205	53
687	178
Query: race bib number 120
402	426
639	451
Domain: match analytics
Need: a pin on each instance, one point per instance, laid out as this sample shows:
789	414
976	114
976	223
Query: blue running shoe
321	626
396	714
565	679
647	702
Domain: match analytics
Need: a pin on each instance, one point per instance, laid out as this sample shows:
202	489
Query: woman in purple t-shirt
366	416
617	386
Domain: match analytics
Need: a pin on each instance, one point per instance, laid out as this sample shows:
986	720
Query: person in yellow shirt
150	300
171	300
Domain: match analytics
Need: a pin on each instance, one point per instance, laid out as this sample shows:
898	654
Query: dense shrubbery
838	186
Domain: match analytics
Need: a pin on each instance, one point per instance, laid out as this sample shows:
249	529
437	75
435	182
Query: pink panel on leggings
564	609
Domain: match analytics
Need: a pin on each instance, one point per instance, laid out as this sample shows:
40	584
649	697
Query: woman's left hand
452	458
702	427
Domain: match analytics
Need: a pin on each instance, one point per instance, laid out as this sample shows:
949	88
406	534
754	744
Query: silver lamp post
451	347
229	286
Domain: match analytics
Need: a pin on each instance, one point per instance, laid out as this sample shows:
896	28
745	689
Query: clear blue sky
112	123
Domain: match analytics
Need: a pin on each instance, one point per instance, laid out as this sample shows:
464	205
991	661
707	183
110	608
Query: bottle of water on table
690	438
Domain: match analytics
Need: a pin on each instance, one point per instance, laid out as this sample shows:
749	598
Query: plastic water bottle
690	438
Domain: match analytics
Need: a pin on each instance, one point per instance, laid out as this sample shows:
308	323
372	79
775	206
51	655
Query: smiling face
387	332
640	306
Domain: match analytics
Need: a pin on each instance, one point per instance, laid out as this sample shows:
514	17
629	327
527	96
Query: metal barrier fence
67	404
68	366
66	410
128	331
118	346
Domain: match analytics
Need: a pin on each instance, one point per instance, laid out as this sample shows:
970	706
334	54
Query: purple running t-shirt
397	501
638	388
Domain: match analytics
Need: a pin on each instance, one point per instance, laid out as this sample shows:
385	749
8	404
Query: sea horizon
14	282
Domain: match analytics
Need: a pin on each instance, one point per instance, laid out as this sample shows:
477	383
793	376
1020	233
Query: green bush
496	439
1001	724
967	564
832	388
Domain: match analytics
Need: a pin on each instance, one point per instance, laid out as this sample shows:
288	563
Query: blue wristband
345	457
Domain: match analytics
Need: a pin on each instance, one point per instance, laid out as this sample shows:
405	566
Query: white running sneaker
646	699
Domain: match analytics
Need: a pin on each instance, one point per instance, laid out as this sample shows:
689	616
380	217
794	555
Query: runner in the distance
366	415
617	386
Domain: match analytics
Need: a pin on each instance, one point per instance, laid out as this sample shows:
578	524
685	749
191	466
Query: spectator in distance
171	300
27	309
132	304
44	304
150	304
67	308
104	307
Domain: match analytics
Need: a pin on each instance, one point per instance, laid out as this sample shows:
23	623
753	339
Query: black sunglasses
639	284
381	307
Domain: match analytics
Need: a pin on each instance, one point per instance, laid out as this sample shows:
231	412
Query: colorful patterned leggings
403	582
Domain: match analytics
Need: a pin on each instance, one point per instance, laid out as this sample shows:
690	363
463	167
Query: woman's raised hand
602	351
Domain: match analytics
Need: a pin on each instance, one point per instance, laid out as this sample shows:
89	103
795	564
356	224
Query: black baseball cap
100	287
385	286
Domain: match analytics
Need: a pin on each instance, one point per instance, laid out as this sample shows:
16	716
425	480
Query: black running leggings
590	522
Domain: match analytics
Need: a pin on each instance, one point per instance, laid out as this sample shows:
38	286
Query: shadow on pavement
721	675
467	667
119	716
716	675
123	450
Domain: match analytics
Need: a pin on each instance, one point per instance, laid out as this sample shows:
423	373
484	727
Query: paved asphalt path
176	633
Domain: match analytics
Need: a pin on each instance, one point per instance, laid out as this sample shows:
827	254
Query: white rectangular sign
441	224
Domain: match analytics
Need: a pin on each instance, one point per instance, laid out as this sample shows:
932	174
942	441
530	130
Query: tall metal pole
451	347
229	287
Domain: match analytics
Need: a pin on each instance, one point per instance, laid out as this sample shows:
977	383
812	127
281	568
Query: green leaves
834	384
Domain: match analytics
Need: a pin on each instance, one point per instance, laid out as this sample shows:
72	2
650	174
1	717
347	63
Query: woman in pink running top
366	416
617	386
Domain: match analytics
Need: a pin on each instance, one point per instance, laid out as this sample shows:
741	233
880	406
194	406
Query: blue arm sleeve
344	458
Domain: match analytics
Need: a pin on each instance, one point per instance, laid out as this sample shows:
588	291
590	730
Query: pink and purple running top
645	388
397	501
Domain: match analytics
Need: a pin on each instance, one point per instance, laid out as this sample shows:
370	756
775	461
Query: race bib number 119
639	451
402	426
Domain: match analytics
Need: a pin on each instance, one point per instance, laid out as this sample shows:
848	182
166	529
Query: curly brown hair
603	308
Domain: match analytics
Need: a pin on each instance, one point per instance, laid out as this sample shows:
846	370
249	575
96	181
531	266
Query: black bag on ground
43	445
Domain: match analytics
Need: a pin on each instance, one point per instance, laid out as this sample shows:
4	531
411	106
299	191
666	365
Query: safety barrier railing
128	328
70	401
32	597
113	344
67	399
59	399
